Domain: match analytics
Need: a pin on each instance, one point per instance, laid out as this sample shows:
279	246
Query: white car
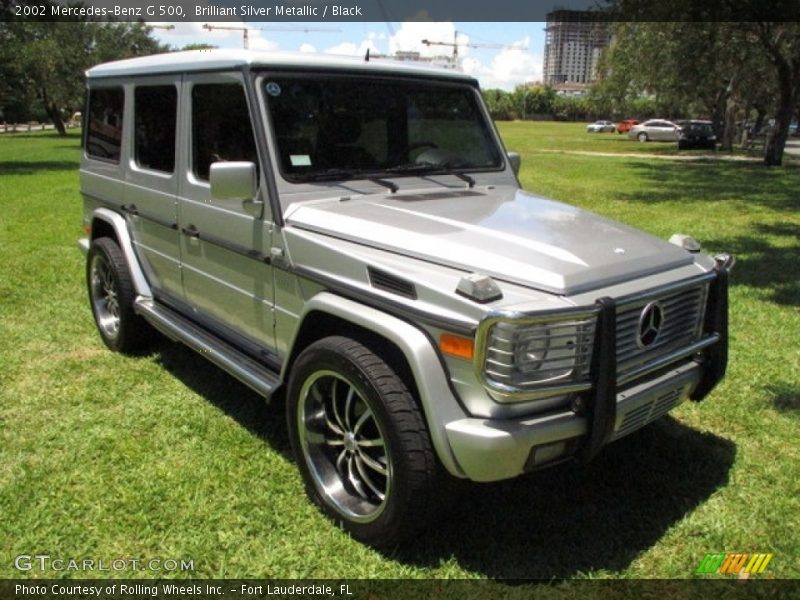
657	130
601	127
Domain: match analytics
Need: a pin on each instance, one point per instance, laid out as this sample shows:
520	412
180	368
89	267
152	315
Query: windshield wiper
432	169
337	174
389	184
331	175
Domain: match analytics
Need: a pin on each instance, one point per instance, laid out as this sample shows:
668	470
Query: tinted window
104	132
221	129
337	127
155	111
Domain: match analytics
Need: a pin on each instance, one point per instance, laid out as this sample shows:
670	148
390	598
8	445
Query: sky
518	60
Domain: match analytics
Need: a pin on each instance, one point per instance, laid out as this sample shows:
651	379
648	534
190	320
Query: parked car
696	134
600	127
625	126
324	231
655	130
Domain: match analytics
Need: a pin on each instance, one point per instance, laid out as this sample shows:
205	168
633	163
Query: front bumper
490	450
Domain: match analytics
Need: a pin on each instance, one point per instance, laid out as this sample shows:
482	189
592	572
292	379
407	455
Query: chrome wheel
105	296
343	446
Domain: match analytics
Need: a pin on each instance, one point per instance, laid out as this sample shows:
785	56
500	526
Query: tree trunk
776	140
55	117
53	113
759	122
729	125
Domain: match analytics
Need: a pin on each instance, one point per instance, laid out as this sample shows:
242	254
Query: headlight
530	358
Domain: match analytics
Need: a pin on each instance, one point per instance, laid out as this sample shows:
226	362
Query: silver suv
349	237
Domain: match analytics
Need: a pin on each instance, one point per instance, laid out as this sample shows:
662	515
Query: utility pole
245	30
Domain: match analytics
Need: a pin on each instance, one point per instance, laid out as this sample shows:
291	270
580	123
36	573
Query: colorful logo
734	563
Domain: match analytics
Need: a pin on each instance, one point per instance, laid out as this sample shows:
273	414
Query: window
154	123
221	129
339	127
104	131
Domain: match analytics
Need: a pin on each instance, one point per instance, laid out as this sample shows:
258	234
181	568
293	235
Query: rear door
151	189
225	244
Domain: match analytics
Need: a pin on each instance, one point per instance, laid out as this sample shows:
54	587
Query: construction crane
245	30
455	44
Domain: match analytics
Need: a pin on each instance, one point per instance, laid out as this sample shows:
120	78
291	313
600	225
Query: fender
438	404
120	226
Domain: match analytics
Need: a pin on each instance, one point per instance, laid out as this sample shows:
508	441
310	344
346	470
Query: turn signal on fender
455	345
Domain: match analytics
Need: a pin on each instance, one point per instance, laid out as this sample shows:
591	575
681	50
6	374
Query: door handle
191	231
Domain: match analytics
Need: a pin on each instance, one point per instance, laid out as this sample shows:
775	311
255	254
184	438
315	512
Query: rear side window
104	133
155	110
221	129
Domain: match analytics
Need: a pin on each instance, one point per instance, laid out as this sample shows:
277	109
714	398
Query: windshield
339	128
698	128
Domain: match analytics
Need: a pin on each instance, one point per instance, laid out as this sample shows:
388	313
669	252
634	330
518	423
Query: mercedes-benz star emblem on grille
650	322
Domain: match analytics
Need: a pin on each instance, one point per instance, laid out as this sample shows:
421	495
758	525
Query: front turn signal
455	345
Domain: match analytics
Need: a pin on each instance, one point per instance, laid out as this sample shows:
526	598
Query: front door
227	281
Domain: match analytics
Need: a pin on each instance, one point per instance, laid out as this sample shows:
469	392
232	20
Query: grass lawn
163	456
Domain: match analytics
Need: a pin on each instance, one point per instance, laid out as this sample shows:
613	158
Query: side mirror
233	180
516	161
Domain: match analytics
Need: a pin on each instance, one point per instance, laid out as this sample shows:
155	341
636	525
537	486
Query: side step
176	327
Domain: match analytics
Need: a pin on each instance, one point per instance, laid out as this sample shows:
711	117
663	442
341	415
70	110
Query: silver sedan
601	127
657	130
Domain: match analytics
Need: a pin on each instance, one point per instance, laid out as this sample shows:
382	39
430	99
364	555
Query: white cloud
410	35
509	67
351	49
308	48
259	42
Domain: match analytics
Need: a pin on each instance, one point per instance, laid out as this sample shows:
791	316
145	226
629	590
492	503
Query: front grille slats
682	317
570	343
648	412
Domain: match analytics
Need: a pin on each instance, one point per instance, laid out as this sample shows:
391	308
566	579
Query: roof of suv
218	60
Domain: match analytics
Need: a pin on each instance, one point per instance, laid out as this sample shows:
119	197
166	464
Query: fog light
548	452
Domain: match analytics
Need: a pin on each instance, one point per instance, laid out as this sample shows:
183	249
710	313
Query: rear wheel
360	442
111	293
642	137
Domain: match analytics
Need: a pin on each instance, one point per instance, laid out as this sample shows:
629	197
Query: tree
44	62
198	47
724	58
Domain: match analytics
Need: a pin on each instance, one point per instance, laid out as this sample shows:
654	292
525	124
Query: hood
504	232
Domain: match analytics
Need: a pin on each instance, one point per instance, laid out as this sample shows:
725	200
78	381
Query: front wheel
360	442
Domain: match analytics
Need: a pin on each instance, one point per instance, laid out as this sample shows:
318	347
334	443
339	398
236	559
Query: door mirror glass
236	180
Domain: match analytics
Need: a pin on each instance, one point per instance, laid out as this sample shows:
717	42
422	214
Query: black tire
642	137
351	416
111	296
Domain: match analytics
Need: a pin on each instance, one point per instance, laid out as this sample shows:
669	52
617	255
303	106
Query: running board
178	328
